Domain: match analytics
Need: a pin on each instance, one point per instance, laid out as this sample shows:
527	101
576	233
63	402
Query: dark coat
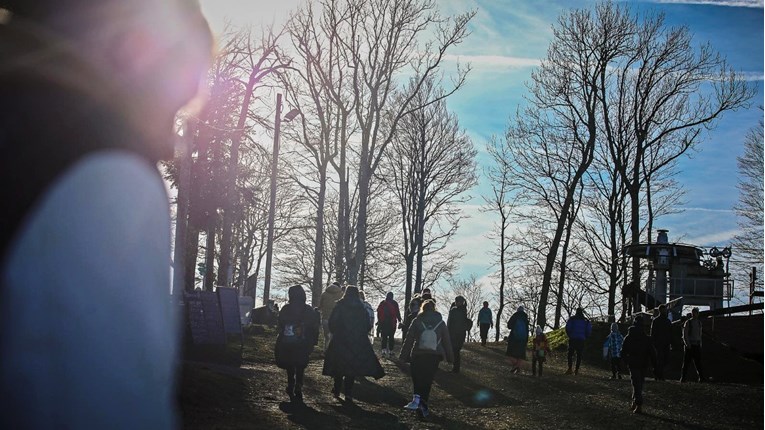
636	349
349	352
307	321
459	324
661	331
578	327
516	342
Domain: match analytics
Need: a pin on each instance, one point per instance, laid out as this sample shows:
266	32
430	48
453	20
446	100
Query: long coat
349	352
519	337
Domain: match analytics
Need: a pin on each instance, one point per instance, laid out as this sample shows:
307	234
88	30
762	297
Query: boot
568	372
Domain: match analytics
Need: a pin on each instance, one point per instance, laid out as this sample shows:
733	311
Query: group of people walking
639	350
347	321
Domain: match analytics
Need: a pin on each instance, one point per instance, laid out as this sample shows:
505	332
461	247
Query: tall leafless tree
429	167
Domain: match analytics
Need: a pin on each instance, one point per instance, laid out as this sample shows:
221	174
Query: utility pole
272	201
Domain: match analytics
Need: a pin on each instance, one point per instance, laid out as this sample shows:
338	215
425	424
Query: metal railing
712	288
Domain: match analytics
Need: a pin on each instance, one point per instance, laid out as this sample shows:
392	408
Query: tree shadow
465	390
308	417
367	419
371	392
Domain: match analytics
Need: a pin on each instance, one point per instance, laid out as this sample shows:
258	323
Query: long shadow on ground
308	417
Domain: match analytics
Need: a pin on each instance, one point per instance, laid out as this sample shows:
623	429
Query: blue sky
509	37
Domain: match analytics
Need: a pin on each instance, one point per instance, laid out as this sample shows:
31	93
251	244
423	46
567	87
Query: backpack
294	333
429	338
520	330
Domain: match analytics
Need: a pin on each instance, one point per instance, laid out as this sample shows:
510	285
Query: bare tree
748	244
500	202
553	140
382	40
665	93
429	168
255	61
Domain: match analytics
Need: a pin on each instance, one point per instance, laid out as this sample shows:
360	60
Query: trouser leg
687	358
696	355
570	353
579	352
290	380
637	378
348	385
299	376
425	366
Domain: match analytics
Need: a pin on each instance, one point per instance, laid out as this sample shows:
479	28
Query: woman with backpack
349	353
298	332
519	337
427	343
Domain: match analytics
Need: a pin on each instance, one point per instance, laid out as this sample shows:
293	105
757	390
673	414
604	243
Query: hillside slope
484	395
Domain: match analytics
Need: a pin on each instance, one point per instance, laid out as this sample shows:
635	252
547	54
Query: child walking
613	344
540	350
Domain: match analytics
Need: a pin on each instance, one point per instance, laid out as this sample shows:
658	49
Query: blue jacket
614	343
484	316
578	328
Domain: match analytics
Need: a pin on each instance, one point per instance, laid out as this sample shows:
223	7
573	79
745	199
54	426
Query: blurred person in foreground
89	91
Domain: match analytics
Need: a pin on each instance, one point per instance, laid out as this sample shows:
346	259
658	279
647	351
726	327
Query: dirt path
483	395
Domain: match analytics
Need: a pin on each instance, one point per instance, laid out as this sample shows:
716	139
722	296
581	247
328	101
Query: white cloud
481	61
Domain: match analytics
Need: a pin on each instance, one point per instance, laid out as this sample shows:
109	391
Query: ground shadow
370	392
308	417
465	390
367	419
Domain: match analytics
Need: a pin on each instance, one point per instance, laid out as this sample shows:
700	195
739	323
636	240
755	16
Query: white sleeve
89	337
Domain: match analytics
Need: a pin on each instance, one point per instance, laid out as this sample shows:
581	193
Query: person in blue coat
485	322
578	329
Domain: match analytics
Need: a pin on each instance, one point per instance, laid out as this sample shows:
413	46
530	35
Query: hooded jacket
300	320
327	300
428	319
578	327
636	349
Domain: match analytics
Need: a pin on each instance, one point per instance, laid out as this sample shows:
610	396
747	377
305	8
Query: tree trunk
502	272
209	278
192	252
182	213
318	249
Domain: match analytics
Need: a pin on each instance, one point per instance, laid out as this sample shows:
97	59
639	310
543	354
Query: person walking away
638	352
692	331
540	350
350	354
578	329
518	338
613	347
414	308
370	311
298	332
427	343
89	91
388	318
459	325
327	301
661	336
485	322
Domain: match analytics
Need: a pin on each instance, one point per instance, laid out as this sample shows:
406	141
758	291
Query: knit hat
521	309
614	327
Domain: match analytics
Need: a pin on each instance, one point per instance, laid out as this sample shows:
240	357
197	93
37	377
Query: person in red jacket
388	318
